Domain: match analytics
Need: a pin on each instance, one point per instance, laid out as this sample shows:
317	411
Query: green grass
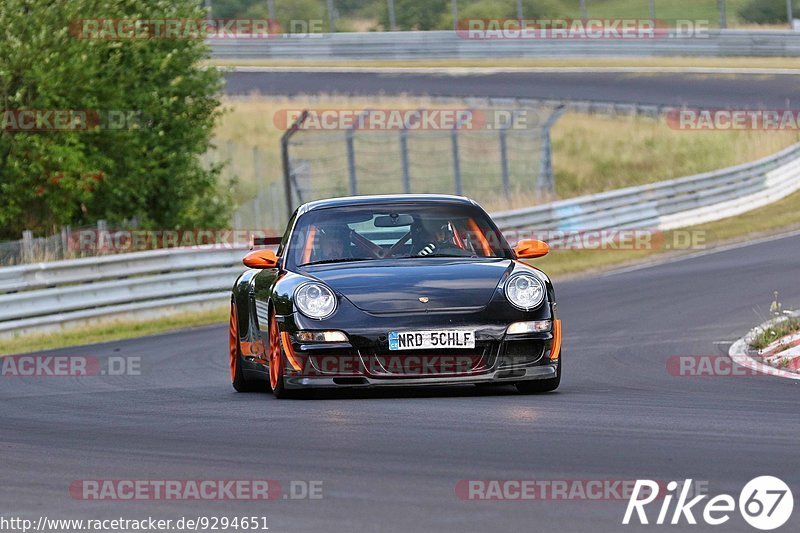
110	330
772	334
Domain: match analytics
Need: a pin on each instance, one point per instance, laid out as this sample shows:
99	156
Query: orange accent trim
555	351
531	249
261	259
457	237
290	355
487	248
312	233
254	349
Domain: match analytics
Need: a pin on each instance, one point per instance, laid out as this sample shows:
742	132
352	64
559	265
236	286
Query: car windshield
388	231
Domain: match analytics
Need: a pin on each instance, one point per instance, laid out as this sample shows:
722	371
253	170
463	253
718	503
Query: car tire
277	361
239	382
540	385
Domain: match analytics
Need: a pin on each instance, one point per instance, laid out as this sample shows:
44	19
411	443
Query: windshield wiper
342	260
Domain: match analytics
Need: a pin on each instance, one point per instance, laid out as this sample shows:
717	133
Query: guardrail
669	204
450	45
49	295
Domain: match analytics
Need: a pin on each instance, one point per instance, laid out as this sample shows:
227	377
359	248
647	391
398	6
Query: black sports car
389	291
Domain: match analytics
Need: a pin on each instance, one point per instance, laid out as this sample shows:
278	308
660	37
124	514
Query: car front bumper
498	376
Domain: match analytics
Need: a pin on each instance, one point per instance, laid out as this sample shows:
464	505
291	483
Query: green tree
764	11
149	169
416	15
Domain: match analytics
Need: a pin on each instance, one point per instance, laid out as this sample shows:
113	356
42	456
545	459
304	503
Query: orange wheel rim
274	352
233	342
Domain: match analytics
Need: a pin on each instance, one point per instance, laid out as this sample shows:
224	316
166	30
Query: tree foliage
764	11
148	170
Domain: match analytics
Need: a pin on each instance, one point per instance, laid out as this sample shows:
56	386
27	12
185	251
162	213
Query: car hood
396	286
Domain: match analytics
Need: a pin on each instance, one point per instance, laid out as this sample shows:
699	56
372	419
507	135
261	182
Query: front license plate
423	340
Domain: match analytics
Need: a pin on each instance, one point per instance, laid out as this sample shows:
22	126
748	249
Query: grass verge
777	331
111	330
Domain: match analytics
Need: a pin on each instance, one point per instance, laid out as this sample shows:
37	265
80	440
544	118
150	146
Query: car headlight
315	300
525	291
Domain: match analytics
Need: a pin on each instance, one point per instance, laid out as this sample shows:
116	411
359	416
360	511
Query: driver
335	243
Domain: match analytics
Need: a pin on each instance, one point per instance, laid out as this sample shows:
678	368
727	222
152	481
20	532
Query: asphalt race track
758	90
390	461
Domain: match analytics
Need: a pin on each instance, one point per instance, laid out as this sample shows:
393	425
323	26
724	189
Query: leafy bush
149	170
764	11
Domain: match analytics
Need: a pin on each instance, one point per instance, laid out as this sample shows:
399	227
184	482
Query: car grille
427	363
521	353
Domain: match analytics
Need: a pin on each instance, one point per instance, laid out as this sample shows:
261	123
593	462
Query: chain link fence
498	156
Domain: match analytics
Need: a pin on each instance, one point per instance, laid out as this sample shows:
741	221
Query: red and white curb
743	355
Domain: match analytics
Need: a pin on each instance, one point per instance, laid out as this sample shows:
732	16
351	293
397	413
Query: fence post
546	180
65	231
504	154
454	11
351	162
351	152
27	246
331	17
273	194
259	188
723	14
456	161
652	9
287	169
790	14
392	20
583	10
404	160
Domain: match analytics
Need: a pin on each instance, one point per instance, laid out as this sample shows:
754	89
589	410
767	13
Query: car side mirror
531	249
261	259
